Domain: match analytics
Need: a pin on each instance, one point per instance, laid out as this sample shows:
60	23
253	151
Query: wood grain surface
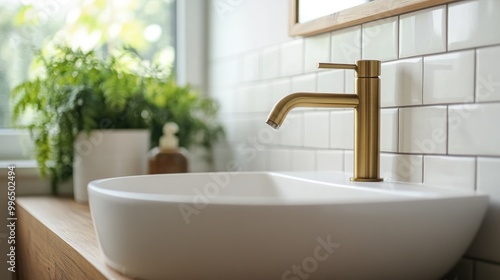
56	240
367	12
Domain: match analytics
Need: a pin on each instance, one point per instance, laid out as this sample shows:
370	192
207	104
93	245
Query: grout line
423	168
447	129
398	37
441	104
476	173
422	81
446	28
361	32
474	77
397	131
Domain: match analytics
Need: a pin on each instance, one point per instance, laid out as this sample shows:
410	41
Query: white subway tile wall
316	130
346	45
401	168
401	83
317	49
440	97
452	172
389	130
487	75
270	63
292	57
380	39
473	24
449	78
342	129
422	130
330	160
331	81
422	32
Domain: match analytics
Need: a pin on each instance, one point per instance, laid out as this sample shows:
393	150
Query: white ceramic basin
281	226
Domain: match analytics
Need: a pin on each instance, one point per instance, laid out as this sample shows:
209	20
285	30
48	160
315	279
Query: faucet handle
363	68
326	65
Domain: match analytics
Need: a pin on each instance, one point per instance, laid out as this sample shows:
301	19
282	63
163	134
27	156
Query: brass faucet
365	101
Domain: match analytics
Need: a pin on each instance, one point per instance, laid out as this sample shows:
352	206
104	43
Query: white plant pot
108	153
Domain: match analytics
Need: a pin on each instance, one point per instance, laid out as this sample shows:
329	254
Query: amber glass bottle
168	157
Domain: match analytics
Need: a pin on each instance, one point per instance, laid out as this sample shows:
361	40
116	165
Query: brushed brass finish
309	99
365	101
325	65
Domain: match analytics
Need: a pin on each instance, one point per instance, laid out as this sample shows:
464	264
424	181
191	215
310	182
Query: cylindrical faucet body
367	130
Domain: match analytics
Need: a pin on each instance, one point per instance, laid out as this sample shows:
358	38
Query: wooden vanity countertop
56	240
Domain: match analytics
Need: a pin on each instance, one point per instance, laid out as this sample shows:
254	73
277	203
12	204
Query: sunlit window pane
29	25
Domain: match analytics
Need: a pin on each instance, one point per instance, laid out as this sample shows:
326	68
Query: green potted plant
76	92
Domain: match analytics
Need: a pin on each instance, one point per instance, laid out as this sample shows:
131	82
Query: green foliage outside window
78	91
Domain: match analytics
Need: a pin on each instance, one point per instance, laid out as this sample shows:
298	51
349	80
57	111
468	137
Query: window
29	25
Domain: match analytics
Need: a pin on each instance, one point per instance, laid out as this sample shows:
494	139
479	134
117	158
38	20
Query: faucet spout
309	99
366	104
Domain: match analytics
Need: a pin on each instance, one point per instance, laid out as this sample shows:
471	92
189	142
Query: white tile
488	76
422	130
473	24
487	271
422	32
280	160
292	58
292	131
224	96
251	67
269	135
240	158
228	161
260	134
317	49
277	90
389	130
330	160
304	83
231	130
449	78
240	98
401	168
349	162
303	160
380	39
453	172
331	81
342	129
254	98
270	63
473	129
229	72
260	97
486	246
222	155
259	162
349	81
401	83
317	129
242	130
346	45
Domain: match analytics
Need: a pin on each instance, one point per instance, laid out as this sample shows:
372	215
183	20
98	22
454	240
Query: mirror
310	17
312	9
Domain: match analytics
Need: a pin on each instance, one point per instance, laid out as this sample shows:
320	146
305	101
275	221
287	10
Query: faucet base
367	179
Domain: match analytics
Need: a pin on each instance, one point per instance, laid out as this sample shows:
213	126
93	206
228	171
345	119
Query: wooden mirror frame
370	11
